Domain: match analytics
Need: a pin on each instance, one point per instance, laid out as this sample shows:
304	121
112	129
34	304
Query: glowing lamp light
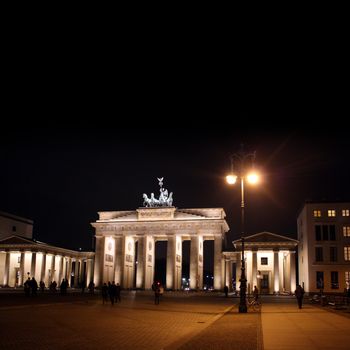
231	179
253	178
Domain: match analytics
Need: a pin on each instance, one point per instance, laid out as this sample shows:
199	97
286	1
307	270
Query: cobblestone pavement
82	322
181	321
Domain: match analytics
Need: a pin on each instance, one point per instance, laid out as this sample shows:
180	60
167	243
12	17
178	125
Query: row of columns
64	268
122	268
283	276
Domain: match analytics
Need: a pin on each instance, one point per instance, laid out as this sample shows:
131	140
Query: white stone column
227	273
148	260
60	272
43	268
170	262
119	259
69	272
76	273
140	266
7	269
22	277
53	261
217	262
33	265
292	272
88	271
81	272
99	261
128	254
178	262
276	271
194	262
254	271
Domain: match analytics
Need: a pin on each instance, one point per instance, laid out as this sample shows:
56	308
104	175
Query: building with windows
270	263
21	257
324	246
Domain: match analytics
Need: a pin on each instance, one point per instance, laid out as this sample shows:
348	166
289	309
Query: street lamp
241	163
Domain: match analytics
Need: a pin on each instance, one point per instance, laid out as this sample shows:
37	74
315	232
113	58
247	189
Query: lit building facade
125	245
22	257
270	263
324	248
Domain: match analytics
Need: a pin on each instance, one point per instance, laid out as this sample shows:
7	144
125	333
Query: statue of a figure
164	200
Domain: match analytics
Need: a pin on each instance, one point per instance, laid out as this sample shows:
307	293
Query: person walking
226	291
299	294
156	294
256	293
104	293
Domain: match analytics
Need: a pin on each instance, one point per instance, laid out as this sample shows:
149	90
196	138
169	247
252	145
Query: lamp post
239	162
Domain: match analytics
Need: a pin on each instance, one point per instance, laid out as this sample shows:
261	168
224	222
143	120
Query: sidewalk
284	326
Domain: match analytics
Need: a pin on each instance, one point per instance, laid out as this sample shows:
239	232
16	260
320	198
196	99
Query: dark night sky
61	175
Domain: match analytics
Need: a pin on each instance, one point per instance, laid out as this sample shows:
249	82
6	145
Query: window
318	232
14	228
333	254
325	232
264	261
347	279
346	231
345	212
319	254
317	213
331	212
347	253
332	232
19	259
319	279
334	280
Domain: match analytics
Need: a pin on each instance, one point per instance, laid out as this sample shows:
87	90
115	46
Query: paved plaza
180	321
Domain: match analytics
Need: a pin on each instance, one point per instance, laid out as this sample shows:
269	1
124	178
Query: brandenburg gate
125	243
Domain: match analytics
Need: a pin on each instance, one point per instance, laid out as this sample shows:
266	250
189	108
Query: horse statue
154	200
170	199
164	200
147	202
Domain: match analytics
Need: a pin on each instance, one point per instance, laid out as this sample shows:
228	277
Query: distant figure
117	293
299	294
91	287
82	286
226	291
104	293
42	286
27	285
156	293
34	286
256	293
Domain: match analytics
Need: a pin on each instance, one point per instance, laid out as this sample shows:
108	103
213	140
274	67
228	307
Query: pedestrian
42	286
299	294
156	294
226	291
91	287
104	293
117	293
256	293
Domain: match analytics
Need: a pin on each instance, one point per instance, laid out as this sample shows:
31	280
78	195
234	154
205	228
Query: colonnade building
21	257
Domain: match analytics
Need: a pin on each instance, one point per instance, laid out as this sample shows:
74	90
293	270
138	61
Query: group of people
113	291
30	286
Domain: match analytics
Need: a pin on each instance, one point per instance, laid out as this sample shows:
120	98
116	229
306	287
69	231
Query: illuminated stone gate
125	245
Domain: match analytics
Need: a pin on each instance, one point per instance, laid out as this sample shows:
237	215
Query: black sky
60	174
